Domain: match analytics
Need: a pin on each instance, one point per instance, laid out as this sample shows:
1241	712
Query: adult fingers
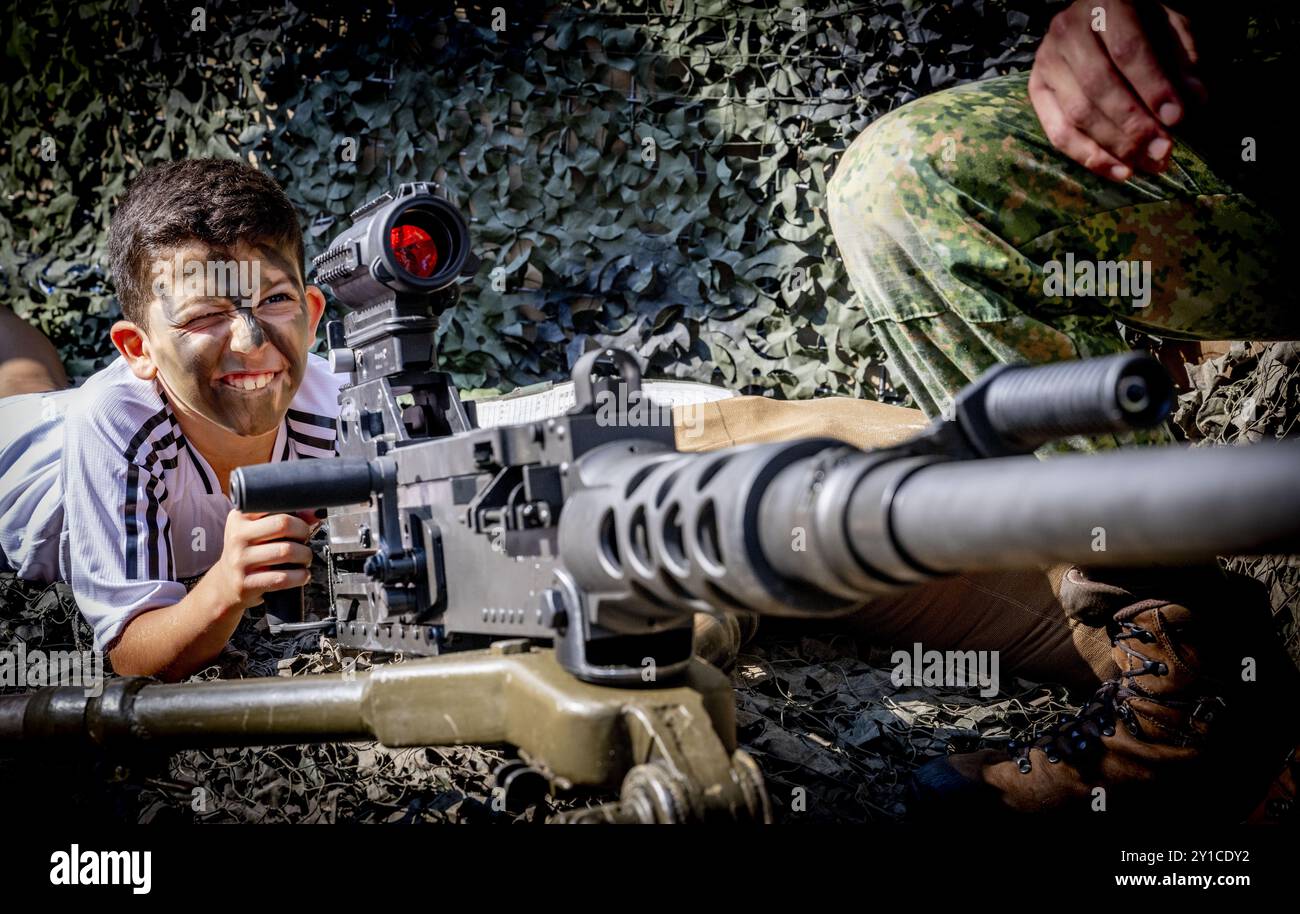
1068	138
1125	38
1107	110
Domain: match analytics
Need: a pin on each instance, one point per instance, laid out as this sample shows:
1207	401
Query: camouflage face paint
237	363
252	324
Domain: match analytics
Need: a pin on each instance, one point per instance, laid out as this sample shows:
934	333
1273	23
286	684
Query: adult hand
1108	80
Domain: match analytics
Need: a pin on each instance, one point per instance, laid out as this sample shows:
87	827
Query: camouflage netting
1251	394
650	174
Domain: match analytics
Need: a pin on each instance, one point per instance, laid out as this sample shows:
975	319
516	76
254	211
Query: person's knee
864	181
962	142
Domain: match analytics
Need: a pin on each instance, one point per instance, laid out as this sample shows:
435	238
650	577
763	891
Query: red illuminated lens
414	250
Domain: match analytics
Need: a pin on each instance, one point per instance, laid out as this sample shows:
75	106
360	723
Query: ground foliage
650	174
1247	395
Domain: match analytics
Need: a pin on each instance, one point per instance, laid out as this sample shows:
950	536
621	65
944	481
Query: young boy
120	487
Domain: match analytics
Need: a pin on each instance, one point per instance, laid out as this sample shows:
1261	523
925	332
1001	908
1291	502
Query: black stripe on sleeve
132	494
167	544
132	483
151	526
155	491
312	419
159	541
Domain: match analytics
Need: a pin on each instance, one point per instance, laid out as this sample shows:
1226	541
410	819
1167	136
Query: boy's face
228	333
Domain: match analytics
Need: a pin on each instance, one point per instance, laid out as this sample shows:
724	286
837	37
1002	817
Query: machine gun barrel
814	527
906	521
1156	506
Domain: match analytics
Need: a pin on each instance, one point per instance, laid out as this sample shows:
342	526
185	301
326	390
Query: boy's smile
251	381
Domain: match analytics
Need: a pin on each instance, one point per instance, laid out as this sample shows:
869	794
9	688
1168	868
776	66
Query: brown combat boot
1195	724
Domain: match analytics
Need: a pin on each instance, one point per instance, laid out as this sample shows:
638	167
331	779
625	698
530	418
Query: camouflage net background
648	174
1251	394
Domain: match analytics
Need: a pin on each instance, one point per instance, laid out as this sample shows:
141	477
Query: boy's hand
173	641
1105	95
254	543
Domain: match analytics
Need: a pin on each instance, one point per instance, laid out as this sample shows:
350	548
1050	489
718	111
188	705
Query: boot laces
1077	739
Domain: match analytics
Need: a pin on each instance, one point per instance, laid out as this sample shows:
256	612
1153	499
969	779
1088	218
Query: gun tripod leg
683	774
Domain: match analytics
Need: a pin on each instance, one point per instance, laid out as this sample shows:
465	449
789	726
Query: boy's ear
131	342
315	308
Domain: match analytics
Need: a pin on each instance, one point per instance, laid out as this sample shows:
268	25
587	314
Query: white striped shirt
100	488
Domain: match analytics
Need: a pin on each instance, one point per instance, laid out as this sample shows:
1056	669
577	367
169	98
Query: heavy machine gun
551	569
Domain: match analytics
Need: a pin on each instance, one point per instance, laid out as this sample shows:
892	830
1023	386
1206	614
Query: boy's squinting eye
278	305
202	320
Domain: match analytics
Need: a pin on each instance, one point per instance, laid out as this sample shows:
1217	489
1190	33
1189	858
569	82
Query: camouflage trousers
969	241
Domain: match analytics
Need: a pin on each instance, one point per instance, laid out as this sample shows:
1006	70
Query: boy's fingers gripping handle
298	485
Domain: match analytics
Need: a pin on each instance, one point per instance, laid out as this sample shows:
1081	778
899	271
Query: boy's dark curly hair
213	201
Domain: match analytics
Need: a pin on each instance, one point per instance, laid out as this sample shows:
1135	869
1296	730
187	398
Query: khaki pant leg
756	420
1016	613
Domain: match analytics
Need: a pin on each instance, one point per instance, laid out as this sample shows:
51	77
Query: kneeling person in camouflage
1125	181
